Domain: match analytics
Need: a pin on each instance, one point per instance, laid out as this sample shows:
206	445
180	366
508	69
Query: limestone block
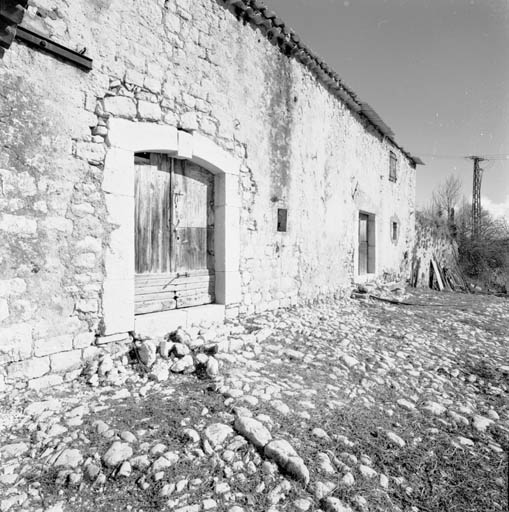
57	224
91	151
185	145
149	111
66	361
227	190
209	155
120	106
118	305
119	256
17	224
189	122
16	342
83	340
89	244
142	136
29	369
134	77
12	287
86	260
46	381
228	288
153	85
43	347
227	239
4	310
112	338
119	172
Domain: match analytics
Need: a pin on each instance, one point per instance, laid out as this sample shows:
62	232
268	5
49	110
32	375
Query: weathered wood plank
193	217
146	292
194	301
173	278
141	308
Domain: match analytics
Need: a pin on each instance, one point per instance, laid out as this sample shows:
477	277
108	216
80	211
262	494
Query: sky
436	71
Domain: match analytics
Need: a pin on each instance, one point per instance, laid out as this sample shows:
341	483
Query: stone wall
432	240
195	66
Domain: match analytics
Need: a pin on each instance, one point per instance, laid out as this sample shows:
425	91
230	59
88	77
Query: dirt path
384	408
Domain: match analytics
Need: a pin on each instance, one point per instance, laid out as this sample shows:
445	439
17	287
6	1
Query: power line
499	157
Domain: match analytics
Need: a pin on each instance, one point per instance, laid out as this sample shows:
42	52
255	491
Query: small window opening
282	217
393	164
394	235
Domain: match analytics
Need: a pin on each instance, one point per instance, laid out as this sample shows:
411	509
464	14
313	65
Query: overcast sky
436	71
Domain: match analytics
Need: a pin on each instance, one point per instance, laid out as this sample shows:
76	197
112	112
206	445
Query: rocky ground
353	405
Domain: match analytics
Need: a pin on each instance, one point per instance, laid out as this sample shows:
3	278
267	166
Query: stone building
165	162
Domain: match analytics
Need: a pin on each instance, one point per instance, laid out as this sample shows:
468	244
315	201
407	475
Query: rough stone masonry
209	81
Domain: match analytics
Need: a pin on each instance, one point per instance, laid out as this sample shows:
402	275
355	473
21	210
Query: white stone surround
125	139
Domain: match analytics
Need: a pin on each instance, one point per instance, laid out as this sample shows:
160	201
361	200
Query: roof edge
260	16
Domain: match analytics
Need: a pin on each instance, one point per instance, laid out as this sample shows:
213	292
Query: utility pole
476	197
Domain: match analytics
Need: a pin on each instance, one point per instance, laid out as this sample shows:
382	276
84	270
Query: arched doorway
127	139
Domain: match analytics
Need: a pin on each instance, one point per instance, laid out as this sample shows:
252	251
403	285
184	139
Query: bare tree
446	197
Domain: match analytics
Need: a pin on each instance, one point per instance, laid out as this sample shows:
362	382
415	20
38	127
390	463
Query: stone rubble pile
180	352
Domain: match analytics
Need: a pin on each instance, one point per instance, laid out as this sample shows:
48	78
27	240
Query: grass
162	415
443	478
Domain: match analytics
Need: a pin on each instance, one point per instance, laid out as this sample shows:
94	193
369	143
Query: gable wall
192	65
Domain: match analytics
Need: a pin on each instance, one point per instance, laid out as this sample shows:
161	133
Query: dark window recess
35	39
393	165
282	217
394	231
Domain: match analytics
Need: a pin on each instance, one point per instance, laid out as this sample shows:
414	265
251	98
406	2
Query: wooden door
363	243
174	234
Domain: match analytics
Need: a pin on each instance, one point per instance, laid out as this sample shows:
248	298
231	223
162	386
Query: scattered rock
367	472
182	365
481	423
335	505
302	505
324	464
10	451
253	430
125	469
140	462
37	408
181	350
434	408
147	352
164	348
349	361
128	437
323	489
117	453
348	480
160	371
217	433
69	458
395	439
286	457
165	461
320	434
406	404
212	367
